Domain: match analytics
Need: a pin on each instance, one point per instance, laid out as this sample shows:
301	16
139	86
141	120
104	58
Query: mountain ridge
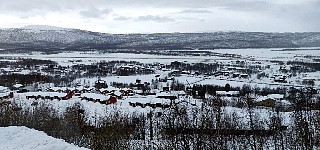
42	27
50	38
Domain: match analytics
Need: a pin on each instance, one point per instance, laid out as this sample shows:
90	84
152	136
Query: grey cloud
54	5
192	18
194	11
307	16
158	19
189	5
300	13
122	18
95	13
247	5
148	18
30	5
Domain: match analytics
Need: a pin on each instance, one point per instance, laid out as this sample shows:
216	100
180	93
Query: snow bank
23	138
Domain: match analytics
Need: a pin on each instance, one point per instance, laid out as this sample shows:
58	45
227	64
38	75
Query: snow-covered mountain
33	34
42	27
39	37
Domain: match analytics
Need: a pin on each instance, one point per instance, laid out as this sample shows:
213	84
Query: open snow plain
91	57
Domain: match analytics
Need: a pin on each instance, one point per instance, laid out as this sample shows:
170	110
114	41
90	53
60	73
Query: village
154	84
151	98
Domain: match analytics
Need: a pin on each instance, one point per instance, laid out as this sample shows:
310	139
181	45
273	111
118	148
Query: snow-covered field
23	138
272	53
92	57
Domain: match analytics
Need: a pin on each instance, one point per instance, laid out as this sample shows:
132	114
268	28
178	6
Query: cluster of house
9	70
101	93
229	73
102	99
147	102
134	98
49	95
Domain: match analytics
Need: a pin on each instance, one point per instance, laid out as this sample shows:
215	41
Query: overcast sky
149	16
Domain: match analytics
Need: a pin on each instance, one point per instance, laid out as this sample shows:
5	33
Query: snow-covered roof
91	88
166	94
276	95
126	89
101	81
128	66
227	93
138	91
110	88
150	100
180	92
95	96
18	85
308	78
7	69
58	88
270	96
51	94
117	93
79	88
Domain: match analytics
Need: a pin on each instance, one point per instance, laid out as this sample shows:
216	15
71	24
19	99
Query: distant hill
42	27
49	38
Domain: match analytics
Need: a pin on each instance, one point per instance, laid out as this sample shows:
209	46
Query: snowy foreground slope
23	138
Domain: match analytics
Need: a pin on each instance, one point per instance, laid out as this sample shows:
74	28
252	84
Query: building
101	84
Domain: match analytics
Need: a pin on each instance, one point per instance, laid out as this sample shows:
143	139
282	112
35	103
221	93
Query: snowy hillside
49	38
42	27
23	138
41	34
